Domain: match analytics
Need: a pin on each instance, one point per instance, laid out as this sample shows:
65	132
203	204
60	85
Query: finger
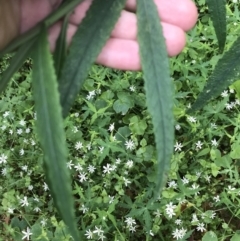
29	16
124	53
182	13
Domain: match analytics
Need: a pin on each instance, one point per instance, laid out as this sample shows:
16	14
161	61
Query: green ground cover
112	157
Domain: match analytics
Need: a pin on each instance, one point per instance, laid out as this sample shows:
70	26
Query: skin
121	50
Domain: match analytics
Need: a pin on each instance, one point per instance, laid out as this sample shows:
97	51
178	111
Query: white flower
10	210
213	215
129	163
19	131
101	237
195	186
3	159
228	106
43	222
208	178
37	209
213	125
130	221
91	168
70	164
21	152
200	227
97	230
194	218
198	174
185	180
4	171
78	167
3	127
199	145
75	129
157	213
170	210
214	142
27	234
129	145
24	201
25	168
231	188
224	93
88	146
178	221
111	199
118	161
6	113
107	168
89	234
132	88
216	199
126	181
178	146
84	209
179	233
192	119
101	148
177	127
82	176
45	186
22	122
111	127
78	145
172	184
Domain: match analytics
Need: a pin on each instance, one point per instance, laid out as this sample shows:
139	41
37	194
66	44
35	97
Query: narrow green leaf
158	85
61	47
64	9
87	43
227	71
217	10
51	131
16	63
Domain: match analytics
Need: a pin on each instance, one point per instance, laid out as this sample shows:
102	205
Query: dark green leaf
217	9
61	47
158	85
15	64
225	73
87	43
51	131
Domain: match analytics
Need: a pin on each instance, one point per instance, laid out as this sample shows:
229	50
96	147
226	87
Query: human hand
121	51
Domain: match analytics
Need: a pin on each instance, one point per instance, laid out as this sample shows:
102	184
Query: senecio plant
58	77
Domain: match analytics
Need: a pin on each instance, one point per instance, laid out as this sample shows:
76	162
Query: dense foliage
112	155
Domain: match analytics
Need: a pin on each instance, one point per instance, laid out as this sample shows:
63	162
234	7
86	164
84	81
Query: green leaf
15	64
217	10
225	73
86	45
236	236
51	131
210	236
158	85
60	52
